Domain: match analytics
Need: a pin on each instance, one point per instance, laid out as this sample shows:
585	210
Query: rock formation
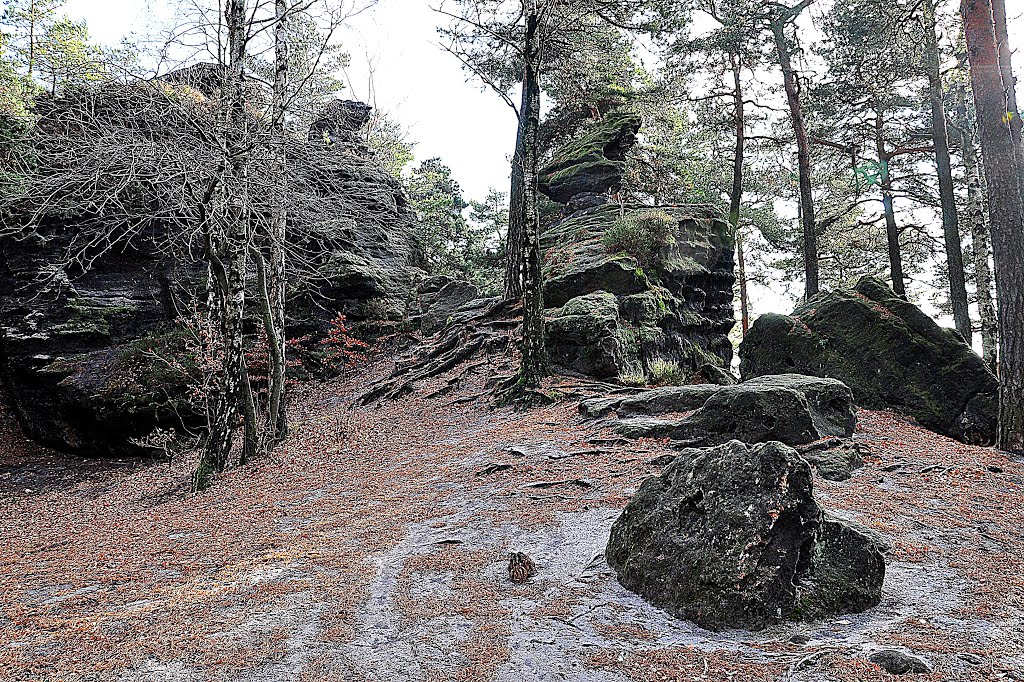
790	408
731	537
887	351
440	298
83	354
594	164
662	293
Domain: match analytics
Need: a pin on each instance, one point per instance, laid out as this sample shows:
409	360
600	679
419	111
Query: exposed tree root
489	332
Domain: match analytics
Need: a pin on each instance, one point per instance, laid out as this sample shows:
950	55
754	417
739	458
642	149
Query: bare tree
202	162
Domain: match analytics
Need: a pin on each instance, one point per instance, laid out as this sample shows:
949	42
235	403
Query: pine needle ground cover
375	545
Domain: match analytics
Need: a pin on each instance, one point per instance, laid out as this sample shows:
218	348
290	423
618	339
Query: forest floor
374	546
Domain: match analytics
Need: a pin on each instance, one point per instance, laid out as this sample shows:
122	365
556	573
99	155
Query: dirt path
374	547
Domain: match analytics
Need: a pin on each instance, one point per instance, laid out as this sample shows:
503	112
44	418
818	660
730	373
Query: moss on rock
889	352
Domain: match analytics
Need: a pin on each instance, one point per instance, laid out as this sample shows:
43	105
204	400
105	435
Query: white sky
421	87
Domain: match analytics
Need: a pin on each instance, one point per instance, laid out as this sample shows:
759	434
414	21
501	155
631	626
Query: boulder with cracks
731	537
789	408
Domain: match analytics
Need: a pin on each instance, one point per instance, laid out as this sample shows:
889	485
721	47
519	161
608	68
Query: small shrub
667	373
342	349
641	236
632	378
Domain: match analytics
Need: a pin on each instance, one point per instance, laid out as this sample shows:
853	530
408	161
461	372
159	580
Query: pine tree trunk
892	231
534	353
515	240
1006	213
736	196
1006	74
947	197
980	236
803	147
741	275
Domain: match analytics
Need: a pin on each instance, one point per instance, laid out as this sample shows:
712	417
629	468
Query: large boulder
789	408
92	361
890	353
731	537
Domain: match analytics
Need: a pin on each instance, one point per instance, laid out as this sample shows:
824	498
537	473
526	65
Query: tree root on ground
490	332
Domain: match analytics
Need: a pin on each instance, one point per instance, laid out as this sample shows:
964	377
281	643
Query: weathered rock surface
896	662
678	310
835	459
75	349
440	298
847	572
887	351
731	537
790	408
655	401
610	314
594	164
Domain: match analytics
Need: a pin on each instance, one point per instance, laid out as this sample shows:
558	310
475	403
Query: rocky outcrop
887	351
80	357
659	293
440	298
594	164
731	537
789	408
655	401
93	360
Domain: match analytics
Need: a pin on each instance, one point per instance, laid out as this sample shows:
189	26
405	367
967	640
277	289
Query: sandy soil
374	545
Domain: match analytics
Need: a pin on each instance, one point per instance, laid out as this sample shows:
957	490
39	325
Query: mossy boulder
889	352
588	336
69	357
789	408
594	164
731	537
679	311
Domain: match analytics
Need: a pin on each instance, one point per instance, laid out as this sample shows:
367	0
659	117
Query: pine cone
520	567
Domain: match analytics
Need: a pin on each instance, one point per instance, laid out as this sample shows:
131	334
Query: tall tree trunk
736	196
1006	74
31	39
741	274
277	338
803	149
515	239
227	246
892	231
1006	213
981	239
535	359
947	197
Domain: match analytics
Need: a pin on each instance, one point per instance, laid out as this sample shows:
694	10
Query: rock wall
615	312
80	351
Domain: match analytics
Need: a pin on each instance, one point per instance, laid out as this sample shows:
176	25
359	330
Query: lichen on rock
889	352
731	537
